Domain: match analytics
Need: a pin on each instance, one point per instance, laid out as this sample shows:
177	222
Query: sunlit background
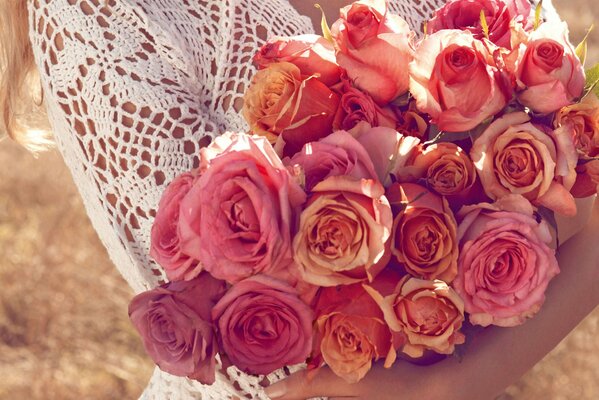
64	331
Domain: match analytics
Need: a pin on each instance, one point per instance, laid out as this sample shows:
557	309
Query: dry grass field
64	331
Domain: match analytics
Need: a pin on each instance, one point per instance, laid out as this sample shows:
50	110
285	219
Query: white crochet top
133	89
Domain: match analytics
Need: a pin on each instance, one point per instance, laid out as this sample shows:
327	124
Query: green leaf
324	25
484	24
582	48
538	12
592	80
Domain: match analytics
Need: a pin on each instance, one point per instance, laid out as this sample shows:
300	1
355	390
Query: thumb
300	387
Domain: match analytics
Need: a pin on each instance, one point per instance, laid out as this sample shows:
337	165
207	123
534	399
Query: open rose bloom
392	187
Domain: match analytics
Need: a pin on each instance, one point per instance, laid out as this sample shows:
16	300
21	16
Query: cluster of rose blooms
391	189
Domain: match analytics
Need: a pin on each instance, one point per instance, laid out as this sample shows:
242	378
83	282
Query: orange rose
350	332
424	233
429	313
281	104
515	156
343	232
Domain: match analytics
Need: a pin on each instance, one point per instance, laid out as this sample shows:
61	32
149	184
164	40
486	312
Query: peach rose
499	15
335	155
550	75
424	232
515	156
449	73
389	150
312	54
238	217
364	32
350	333
446	168
343	232
429	313
505	262
281	104
584	118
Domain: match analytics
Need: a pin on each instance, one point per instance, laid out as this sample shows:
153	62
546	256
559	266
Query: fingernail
276	390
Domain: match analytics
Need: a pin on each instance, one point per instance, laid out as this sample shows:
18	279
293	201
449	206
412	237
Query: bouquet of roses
389	191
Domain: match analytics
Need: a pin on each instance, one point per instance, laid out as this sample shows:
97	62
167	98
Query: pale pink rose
499	15
515	156
343	232
358	107
550	75
505	262
375	48
429	313
335	155
389	150
455	80
238	217
312	54
424	233
175	324
350	331
165	246
263	325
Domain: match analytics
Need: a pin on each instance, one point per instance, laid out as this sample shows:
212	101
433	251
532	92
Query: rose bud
450	70
505	262
263	325
424	233
175	324
499	16
364	33
238	217
429	313
515	156
312	54
282	105
343	232
550	75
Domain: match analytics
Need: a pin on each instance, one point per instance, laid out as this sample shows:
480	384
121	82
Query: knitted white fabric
133	90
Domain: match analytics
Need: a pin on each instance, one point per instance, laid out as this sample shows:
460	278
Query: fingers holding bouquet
390	192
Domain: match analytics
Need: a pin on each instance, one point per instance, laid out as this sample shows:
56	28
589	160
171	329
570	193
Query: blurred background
64	330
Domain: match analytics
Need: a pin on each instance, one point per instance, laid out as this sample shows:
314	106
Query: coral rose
550	75
366	31
283	105
450	71
505	262
335	155
175	325
587	180
499	15
424	232
515	156
358	107
350	333
263	325
238	217
312	54
343	232
165	245
584	118
429	313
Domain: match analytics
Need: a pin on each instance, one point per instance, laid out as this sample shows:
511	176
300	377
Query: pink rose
450	73
550	75
515	156
238	216
358	107
312	54
335	155
499	14
505	262
350	332
165	246
175	325
375	48
343	233
263	325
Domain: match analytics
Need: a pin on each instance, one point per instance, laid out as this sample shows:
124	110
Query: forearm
499	356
